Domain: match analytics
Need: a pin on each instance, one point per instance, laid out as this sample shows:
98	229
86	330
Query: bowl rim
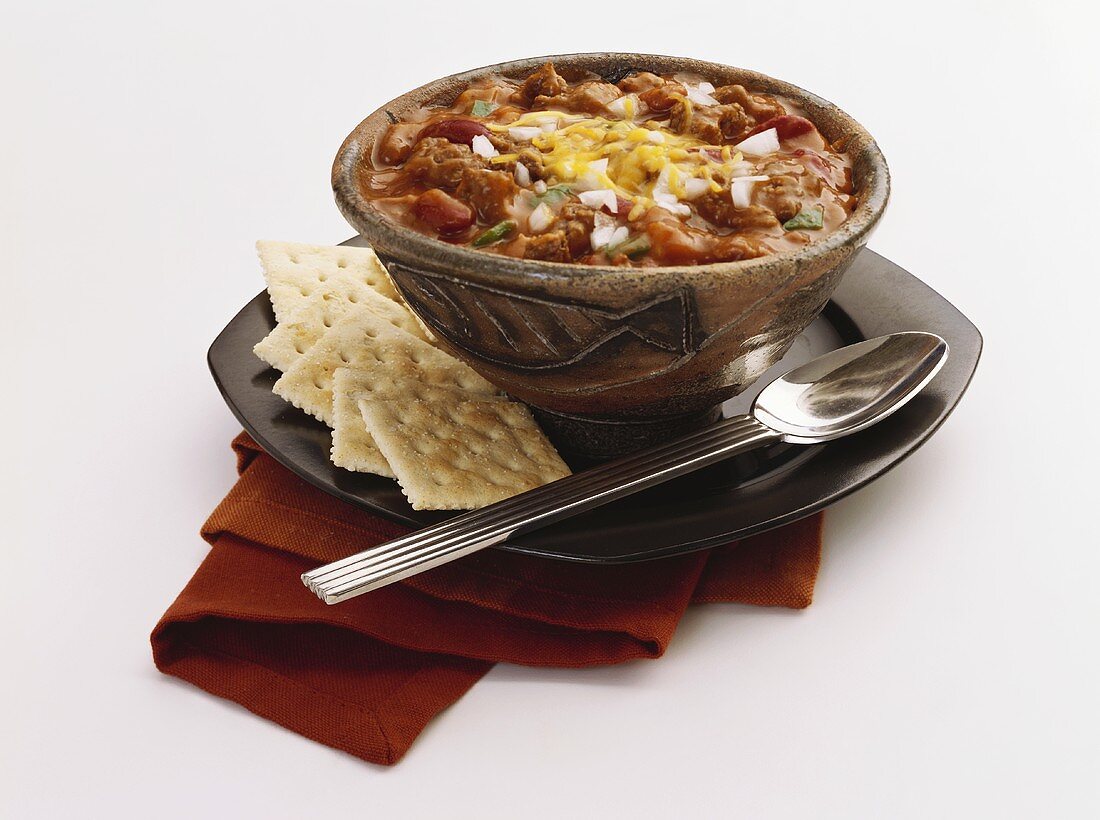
392	239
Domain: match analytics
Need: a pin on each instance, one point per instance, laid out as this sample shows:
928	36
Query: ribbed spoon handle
428	548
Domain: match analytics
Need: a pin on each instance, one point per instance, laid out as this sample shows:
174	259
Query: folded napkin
367	675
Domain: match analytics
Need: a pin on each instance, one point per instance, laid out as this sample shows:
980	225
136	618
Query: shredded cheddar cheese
645	164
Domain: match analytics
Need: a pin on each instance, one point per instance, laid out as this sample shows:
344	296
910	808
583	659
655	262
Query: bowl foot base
582	440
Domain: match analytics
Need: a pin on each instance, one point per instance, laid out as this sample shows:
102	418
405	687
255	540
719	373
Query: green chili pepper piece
556	194
483	108
494	234
633	247
811	220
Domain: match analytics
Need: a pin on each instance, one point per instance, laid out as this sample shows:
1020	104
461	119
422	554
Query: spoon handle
439	544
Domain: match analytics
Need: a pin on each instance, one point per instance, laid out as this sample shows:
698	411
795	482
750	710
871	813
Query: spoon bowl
851	388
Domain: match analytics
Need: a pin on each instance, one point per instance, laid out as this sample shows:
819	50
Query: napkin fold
367	675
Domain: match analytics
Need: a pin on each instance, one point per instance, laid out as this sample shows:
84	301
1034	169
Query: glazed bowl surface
615	357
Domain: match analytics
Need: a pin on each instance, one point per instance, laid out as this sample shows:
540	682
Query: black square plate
746	495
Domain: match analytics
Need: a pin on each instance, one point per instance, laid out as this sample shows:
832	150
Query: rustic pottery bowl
615	358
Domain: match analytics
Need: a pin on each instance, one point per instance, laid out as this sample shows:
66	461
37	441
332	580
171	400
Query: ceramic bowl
615	358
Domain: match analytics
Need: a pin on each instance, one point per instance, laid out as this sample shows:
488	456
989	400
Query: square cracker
295	270
461	455
353	447
324	307
363	337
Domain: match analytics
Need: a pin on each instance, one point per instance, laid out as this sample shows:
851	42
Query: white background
948	667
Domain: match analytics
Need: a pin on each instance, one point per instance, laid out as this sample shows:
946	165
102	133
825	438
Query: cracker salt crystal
464	454
295	270
357	341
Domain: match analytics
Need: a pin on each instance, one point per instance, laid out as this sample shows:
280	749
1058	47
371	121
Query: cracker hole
298	348
304	291
344	357
318	385
327	322
322	277
341	263
353	299
294	259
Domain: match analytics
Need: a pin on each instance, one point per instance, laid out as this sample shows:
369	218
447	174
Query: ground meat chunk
441	164
398	142
782	195
674	243
490	193
757	106
683	118
532	160
503	143
545	82
713	124
642	81
734	122
587	98
550	247
576	221
717	207
662	97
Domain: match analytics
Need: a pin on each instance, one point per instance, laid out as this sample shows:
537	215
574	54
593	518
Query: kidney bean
786	126
456	131
443	212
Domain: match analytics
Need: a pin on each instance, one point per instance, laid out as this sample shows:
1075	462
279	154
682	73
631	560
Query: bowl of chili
622	241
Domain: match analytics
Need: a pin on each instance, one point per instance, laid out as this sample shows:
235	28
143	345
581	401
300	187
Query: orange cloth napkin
367	675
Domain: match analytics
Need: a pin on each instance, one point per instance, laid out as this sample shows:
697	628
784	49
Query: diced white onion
588	181
603	220
600	198
482	147
741	190
539	187
694	187
700	97
608	235
766	142
598	165
706	87
742	169
624	107
671	204
540	218
601	237
523	176
524	133
655	136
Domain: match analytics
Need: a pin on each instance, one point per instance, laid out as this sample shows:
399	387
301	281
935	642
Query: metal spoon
832	396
